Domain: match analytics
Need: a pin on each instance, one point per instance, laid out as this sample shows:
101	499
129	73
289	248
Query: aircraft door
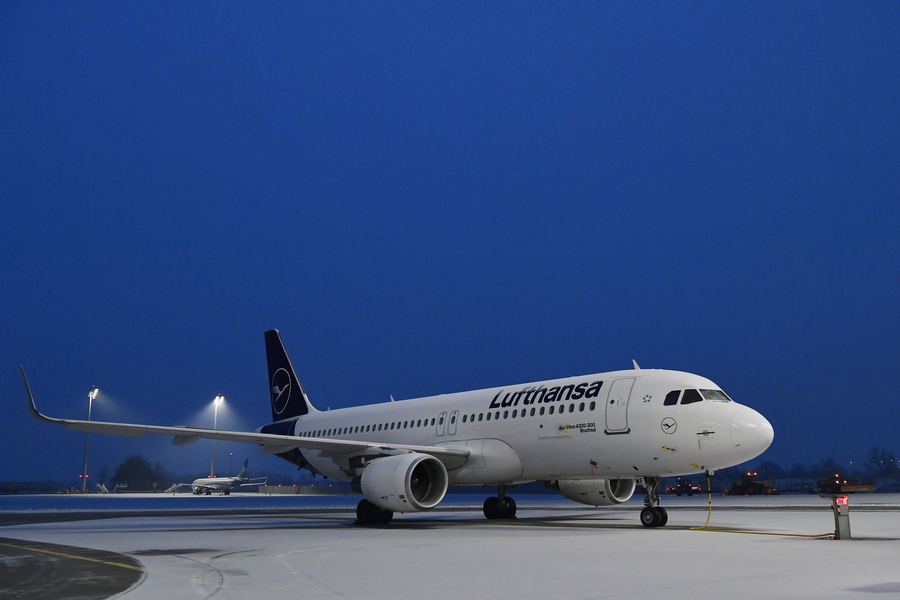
441	423
451	426
617	406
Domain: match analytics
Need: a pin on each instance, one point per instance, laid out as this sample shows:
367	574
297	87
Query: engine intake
596	492
405	483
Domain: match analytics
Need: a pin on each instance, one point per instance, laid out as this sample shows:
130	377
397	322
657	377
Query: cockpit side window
672	398
691	396
715	396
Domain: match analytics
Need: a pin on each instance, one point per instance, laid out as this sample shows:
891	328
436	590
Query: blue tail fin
286	393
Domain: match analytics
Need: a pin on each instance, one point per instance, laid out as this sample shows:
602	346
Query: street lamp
216	402
91	395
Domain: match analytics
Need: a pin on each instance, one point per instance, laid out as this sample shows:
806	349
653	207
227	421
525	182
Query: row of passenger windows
691	396
506	414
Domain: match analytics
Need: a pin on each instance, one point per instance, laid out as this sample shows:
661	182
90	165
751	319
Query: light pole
91	395
218	400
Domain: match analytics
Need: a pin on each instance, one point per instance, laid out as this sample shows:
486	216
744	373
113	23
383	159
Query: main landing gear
500	506
652	514
370	514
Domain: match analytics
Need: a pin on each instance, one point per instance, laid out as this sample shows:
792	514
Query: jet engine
405	483
596	492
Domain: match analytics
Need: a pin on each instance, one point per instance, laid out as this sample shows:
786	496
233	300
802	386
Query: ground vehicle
683	486
750	486
841	485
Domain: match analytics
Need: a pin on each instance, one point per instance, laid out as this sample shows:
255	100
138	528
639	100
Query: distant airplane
592	437
208	485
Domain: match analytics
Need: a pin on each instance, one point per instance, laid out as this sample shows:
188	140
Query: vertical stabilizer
243	473
286	393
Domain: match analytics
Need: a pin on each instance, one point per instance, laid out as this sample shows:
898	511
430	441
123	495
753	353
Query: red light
842	500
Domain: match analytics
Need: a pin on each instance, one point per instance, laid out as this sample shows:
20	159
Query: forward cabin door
617	406
441	423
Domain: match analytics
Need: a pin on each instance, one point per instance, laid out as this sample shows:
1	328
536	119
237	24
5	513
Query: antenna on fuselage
392	397
636	367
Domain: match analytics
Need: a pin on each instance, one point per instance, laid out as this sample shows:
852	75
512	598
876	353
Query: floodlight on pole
216	402
91	396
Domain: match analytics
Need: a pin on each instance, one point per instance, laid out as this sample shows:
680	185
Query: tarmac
252	546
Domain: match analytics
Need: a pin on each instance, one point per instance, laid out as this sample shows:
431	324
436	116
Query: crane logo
281	390
668	425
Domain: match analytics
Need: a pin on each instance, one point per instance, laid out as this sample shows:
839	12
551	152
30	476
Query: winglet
636	367
31	406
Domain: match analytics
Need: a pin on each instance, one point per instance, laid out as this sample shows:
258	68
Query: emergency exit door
617	406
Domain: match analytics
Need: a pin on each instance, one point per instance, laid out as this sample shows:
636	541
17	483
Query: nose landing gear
652	514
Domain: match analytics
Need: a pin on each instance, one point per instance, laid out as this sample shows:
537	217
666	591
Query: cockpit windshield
715	396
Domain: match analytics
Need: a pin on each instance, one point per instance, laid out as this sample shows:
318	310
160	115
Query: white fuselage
609	425
215	483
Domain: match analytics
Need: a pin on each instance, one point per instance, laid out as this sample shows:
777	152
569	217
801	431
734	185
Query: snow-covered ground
554	549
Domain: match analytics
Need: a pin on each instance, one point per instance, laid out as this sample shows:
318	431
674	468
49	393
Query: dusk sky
436	197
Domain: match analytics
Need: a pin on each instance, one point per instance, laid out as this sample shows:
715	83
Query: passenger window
551	409
432	421
505	413
441	422
489	416
672	398
592	405
453	418
581	407
571	408
542	410
480	415
532	411
514	413
464	418
419	423
379	427
691	396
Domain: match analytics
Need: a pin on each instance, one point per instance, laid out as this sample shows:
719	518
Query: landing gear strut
652	514
370	514
500	506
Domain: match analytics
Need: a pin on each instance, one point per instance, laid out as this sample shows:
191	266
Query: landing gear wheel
509	504
663	516
650	517
370	514
492	508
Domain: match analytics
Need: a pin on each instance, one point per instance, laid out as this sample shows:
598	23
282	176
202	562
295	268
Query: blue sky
435	197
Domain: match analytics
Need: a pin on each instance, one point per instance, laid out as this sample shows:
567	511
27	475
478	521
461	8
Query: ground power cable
709	515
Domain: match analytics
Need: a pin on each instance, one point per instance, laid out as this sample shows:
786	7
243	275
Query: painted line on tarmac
75	556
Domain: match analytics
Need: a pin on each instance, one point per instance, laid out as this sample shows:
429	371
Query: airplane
593	438
208	485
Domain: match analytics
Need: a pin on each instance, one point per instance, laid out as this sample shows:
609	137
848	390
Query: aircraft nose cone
751	433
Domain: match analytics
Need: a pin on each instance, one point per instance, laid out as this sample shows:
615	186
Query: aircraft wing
271	443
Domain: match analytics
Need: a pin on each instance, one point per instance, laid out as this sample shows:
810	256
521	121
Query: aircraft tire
650	517
663	516
492	509
509	507
370	514
383	516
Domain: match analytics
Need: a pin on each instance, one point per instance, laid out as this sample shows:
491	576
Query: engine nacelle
405	483
597	492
